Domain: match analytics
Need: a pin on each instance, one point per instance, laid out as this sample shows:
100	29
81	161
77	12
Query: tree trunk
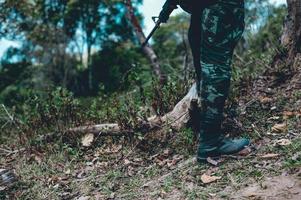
149	52
291	37
289	60
90	75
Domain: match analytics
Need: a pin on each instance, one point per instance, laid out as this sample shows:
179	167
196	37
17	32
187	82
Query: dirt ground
277	188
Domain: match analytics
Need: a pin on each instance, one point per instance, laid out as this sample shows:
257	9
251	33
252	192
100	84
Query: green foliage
13	75
164	98
257	12
61	37
129	114
268	36
171	45
53	111
113	64
56	111
171	39
256	51
189	138
293	150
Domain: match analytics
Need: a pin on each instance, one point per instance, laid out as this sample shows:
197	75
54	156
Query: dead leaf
279	128
127	162
131	171
111	149
115	148
37	158
87	140
53	180
283	142
265	100
270	155
246	151
288	114
209	179
68	171
167	152
161	163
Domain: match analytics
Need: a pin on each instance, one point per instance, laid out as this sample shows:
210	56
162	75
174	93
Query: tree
85	16
59	38
291	37
149	52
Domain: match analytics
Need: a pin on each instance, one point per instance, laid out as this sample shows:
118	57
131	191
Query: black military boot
213	144
225	146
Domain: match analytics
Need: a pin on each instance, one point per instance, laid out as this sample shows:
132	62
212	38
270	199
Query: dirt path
276	188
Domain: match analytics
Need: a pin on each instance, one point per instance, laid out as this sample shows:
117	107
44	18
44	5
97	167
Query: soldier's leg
222	27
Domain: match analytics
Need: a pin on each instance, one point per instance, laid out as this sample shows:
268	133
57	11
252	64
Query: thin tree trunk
149	52
90	76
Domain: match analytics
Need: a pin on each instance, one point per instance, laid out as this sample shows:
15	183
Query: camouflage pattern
222	27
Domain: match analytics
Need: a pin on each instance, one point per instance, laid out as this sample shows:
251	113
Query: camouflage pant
222	27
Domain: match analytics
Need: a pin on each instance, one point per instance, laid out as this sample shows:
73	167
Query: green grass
152	171
293	155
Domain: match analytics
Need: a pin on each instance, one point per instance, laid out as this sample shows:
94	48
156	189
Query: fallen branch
9	152
100	129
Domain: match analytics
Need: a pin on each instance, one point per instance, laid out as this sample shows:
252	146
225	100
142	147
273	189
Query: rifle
158	21
184	4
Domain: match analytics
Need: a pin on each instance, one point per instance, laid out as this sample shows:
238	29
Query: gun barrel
151	34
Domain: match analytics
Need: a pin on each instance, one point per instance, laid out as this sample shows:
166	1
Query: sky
152	8
149	8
